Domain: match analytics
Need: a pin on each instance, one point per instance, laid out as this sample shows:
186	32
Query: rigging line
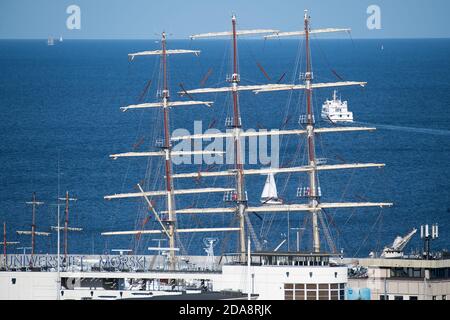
252	232
332	222
113	217
295	156
258	64
281	77
227	237
272	216
351	38
297	62
200	64
205	200
324	56
369	233
326	232
206	77
263	70
301	95
364	195
343	195
144	91
302	230
378	240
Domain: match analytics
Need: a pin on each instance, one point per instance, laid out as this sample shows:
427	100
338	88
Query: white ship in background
336	110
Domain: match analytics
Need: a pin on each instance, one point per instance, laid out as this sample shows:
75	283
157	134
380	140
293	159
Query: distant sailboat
269	194
50	41
60	39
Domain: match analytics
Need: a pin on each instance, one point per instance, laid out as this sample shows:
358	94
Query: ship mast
313	198
66	227
171	221
240	186
5	244
34	203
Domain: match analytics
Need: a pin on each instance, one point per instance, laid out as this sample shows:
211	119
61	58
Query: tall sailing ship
252	269
295	262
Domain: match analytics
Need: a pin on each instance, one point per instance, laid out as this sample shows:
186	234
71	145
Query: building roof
404	263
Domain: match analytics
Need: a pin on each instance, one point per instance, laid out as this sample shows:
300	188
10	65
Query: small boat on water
336	110
50	41
269	194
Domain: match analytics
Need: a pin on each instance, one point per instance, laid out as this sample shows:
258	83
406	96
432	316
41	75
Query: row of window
435	273
294	260
313	286
312	291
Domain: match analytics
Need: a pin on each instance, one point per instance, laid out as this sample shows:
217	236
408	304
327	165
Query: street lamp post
298	236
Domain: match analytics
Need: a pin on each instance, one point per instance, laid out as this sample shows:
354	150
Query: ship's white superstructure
336	110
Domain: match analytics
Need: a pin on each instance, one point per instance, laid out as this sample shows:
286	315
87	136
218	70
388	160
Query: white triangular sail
269	194
270	188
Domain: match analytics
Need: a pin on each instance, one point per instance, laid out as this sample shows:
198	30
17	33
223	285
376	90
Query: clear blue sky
136	19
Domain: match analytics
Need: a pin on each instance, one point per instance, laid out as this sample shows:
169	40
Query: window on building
413	298
13	280
288	295
312	291
324	295
311	294
288	291
444	297
433	298
334	295
299	294
417	273
294	291
384	297
398	297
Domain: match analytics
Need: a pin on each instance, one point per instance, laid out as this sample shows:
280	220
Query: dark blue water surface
62	102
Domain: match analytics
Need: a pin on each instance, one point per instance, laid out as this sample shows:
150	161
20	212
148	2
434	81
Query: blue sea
60	121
